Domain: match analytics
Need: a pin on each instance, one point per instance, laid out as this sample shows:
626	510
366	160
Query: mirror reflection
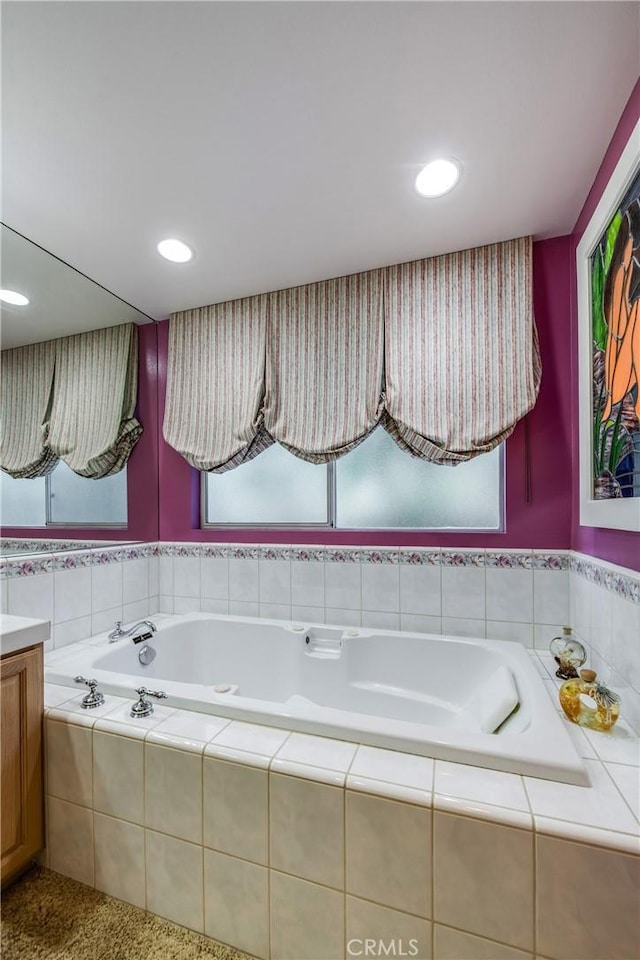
43	299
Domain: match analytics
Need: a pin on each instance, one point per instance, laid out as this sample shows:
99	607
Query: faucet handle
93	698
142	707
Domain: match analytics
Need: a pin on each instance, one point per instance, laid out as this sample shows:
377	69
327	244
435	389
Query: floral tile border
32	566
622	584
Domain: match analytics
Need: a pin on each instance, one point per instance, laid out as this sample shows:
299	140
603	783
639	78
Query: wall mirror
64	510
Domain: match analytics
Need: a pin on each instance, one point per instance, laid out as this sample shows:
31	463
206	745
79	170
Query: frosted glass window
75	499
379	485
22	502
72	500
274	488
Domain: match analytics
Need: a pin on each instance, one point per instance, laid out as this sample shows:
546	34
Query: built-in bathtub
479	702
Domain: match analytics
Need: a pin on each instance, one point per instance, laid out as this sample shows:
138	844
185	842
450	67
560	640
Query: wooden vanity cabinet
21	708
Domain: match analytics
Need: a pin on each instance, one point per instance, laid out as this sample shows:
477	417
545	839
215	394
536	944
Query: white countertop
17	633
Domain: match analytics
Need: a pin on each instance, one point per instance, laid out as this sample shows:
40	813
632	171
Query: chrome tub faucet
119	633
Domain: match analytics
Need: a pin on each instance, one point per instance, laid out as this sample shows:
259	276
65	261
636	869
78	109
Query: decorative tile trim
551	561
15	567
462	558
510	561
380	556
620	584
343	555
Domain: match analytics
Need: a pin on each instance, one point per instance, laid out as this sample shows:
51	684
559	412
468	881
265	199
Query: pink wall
545	521
142	471
618	546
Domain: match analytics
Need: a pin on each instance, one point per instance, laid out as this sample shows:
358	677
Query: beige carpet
49	917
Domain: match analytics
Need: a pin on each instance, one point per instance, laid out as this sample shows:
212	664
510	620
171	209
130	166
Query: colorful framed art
608	275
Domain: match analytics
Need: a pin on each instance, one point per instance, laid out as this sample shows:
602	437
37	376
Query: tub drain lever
93	698
142	707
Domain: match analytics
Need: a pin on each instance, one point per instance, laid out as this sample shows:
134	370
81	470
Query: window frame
50	524
332	504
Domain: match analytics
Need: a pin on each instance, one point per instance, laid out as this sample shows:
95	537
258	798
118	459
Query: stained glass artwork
615	328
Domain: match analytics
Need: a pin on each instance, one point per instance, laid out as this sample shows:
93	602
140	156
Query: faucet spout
118	633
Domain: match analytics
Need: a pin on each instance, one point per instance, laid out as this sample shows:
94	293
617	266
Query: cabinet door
21	693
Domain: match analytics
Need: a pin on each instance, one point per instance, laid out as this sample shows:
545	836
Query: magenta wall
618	546
544	521
142	472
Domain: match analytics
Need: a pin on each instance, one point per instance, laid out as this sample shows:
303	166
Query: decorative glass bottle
568	653
606	710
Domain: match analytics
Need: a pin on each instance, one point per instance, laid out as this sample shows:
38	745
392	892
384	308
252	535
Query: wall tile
587	901
186	605
165	576
154	576
174	880
214	606
307	583
70	839
186	577
307	829
463	592
509	594
369	921
173	792
72	593
625	639
483	879
388	852
106	586
236	809
551	596
135	580
72	631
307	614
31	596
214	578
510	630
419	590
381	587
343	589
68	756
242	608
119	859
275	611
118	776
274	581
600	621
452	944
4	596
236	903
342	616
307	921
243	580
415	623
381	620
457	627
102	620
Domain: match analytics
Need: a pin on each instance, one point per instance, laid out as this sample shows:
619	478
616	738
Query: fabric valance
215	384
462	363
324	365
442	352
91	426
71	399
25	392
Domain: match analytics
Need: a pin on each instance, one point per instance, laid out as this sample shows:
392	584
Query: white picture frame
622	513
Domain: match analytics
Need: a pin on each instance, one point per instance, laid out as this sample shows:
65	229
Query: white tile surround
290	846
519	595
286	845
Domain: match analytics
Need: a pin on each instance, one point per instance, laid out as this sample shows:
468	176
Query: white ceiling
281	140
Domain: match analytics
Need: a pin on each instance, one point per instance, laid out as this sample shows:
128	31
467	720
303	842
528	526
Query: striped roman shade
462	364
25	391
443	352
215	384
91	425
324	365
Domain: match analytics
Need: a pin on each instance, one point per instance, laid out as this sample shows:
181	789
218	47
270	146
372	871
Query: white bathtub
437	696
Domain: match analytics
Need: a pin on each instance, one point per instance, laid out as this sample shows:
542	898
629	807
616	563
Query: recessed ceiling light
437	177
16	299
175	250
